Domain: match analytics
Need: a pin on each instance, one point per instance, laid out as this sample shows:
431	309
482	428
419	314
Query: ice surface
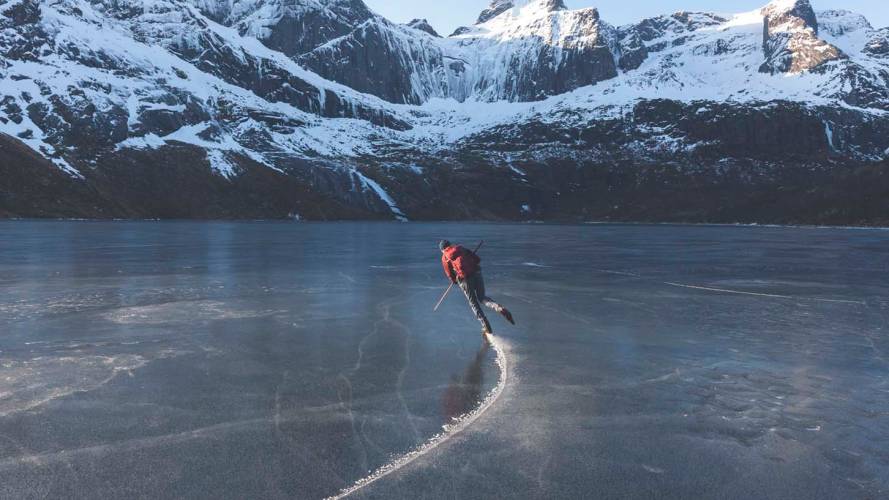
273	360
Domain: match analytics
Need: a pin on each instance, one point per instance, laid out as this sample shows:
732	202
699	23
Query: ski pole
445	294
443	297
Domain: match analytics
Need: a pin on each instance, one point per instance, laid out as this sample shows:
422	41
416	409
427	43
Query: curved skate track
450	430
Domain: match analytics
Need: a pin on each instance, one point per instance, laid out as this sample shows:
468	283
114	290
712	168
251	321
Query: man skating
461	266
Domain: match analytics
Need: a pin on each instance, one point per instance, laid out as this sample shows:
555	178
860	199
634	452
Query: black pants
474	289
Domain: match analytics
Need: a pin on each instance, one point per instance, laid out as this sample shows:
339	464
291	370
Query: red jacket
459	263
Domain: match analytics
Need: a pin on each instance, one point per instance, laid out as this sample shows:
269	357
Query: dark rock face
165	121
27	12
779	130
774	162
377	58
777	162
20	36
177	182
800	15
790	40
170	182
675	132
542	69
724	192
680	22
878	45
634	41
462	30
864	89
496	8
31	186
303	26
424	26
270	81
577	68
633	50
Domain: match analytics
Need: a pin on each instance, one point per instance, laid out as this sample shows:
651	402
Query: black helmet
443	244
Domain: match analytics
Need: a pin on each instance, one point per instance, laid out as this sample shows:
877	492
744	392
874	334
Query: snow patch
148	141
367	182
221	164
828	131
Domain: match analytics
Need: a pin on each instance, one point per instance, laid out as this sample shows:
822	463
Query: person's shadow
464	393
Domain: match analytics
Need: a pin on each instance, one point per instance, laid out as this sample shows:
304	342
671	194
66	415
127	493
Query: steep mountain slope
88	84
515	52
531	51
525	50
290	26
323	109
790	38
398	63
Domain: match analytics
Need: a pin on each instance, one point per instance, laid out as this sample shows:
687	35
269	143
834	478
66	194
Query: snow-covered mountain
324	109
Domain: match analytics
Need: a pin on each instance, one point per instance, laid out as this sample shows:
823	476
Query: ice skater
462	268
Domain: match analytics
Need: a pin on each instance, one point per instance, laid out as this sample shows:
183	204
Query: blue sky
448	15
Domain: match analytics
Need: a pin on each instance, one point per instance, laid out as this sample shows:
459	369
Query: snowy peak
498	7
787	15
790	38
838	23
542	20
528	51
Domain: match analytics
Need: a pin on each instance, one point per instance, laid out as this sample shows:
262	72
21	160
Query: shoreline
473	222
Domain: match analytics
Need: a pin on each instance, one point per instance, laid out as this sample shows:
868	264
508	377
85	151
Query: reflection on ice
465	392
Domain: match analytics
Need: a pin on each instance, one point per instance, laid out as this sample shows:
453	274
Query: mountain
322	109
423	25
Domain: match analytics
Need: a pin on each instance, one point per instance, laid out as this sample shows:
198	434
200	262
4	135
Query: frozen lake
274	360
